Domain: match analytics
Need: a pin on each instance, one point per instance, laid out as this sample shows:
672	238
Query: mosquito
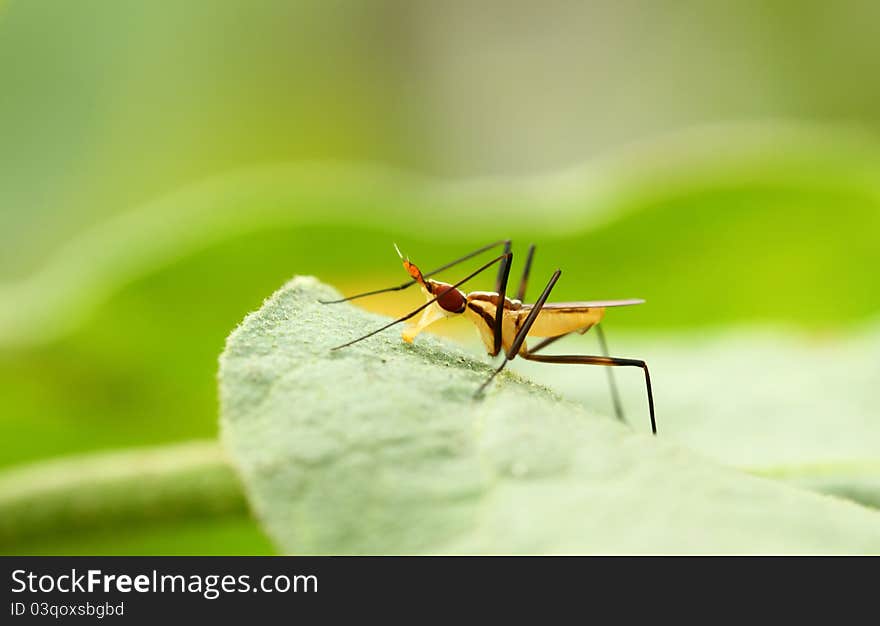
504	323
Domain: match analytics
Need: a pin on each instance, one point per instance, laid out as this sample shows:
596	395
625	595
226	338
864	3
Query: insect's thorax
482	307
552	321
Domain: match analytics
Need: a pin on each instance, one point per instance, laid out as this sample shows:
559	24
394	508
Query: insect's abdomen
556	322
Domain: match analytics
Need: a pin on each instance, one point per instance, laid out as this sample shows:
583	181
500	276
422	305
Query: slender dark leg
501	290
521	292
546	342
503	257
524	330
612	384
503	272
533	315
542	344
410	283
602	360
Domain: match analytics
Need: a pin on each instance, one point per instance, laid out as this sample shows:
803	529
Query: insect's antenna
429	302
399	253
412	282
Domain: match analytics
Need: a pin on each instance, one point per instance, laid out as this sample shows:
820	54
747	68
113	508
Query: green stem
86	493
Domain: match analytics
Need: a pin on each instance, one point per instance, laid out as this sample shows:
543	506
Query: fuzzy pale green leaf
381	448
773	402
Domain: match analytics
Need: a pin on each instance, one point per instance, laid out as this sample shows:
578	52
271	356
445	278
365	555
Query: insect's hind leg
600	360
612	383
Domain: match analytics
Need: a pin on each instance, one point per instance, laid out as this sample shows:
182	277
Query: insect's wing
588	304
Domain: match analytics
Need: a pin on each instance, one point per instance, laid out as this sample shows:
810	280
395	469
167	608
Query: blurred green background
166	166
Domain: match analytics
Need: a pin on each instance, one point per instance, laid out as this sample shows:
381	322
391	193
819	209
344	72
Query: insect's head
449	298
410	267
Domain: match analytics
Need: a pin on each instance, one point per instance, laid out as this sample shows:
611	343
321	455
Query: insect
505	323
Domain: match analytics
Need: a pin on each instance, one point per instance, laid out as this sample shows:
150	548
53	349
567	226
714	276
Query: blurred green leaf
381	448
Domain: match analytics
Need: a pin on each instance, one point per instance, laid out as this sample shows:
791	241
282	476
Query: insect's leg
503	272
546	342
412	282
533	315
524	330
521	292
602	360
612	384
482	269
501	290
